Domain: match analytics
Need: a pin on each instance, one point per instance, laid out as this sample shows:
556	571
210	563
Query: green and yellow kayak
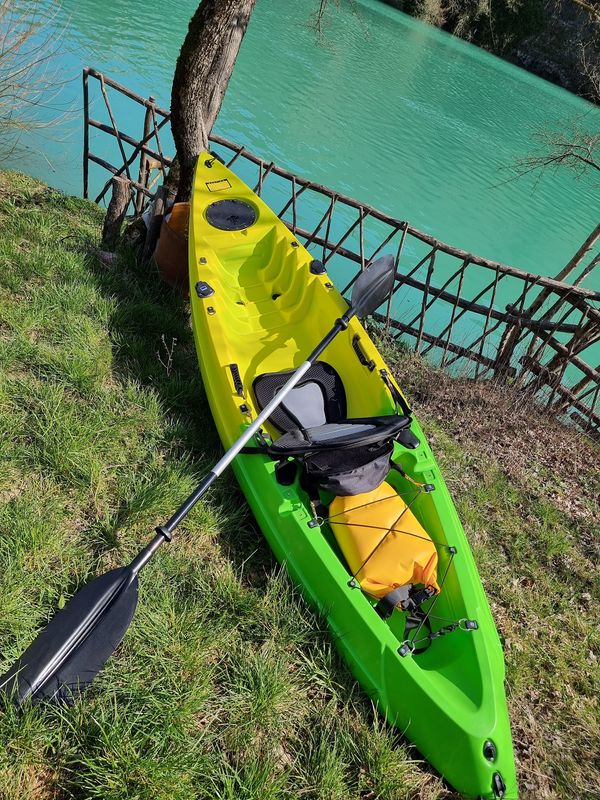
260	303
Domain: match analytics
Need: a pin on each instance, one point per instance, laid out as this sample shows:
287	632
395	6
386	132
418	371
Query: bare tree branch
579	151
591	70
591	9
318	19
27	82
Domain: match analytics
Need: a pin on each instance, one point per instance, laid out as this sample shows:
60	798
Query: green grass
526	490
226	685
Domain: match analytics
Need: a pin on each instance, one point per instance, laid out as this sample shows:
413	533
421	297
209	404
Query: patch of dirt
534	449
33	782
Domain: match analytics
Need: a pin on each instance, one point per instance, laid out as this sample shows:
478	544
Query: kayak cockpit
344	465
445	650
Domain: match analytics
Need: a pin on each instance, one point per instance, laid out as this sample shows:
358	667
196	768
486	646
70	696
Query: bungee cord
411	644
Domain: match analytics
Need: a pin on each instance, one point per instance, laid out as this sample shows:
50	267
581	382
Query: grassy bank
226	685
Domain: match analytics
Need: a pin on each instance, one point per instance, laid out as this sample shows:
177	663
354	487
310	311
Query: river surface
384	108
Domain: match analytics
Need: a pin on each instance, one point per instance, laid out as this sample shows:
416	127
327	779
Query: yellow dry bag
384	544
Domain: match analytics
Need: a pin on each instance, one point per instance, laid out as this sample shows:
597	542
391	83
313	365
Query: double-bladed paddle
76	643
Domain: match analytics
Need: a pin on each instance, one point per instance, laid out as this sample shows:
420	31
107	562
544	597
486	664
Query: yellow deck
268	310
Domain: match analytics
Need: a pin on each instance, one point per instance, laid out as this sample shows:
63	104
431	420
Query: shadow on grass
153	347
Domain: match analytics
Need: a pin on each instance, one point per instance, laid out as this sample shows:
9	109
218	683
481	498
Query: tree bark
202	73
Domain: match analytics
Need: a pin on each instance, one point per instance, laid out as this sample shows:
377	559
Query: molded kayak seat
318	398
313	415
341	456
340	435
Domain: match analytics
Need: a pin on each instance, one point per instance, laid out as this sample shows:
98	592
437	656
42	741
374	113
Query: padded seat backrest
317	399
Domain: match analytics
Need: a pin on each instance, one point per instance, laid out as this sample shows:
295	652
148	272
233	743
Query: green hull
448	700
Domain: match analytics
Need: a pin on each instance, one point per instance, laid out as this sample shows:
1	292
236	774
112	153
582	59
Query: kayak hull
264	311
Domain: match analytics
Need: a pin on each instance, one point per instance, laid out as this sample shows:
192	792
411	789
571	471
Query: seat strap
261	448
415	621
397	597
419	619
405	597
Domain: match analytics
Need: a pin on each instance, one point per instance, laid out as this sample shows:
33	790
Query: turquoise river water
385	109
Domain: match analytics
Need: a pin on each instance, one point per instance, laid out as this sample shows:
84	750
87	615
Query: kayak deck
263	312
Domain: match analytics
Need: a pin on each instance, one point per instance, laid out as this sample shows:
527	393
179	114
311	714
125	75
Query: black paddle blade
77	641
373	286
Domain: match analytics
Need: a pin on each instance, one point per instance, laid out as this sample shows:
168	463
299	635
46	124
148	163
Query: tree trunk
202	73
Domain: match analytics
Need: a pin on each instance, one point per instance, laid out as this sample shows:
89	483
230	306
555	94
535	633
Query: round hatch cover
231	215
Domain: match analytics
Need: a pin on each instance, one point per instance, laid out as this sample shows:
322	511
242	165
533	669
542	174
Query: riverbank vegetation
227	685
556	39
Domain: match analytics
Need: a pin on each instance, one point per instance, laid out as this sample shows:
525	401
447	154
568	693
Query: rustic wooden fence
448	304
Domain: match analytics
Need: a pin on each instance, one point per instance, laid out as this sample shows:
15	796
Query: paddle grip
185	508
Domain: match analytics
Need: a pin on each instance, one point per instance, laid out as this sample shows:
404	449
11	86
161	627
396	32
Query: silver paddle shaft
264	415
163	532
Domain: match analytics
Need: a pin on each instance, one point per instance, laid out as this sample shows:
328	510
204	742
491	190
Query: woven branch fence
447	304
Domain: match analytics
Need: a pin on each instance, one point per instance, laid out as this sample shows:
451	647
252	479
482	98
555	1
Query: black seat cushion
317	399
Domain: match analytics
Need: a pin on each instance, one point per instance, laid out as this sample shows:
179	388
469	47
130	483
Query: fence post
158	212
144	173
86	133
506	348
115	214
